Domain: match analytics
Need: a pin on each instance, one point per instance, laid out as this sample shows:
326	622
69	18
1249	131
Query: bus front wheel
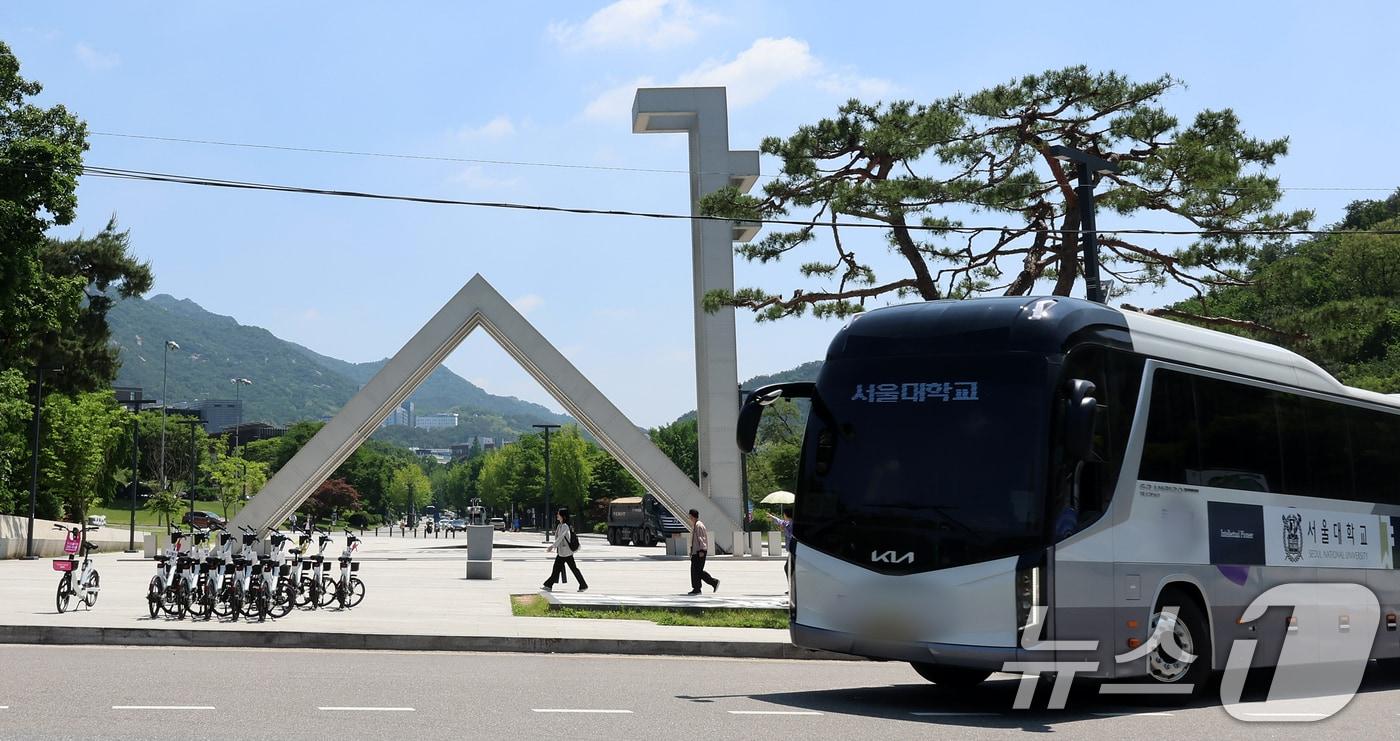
951	677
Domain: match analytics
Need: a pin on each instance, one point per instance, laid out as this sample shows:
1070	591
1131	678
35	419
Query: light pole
546	429
34	479
136	401
164	403
238	384
1087	166
194	463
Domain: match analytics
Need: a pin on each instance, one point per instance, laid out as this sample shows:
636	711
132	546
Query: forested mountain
805	372
290	382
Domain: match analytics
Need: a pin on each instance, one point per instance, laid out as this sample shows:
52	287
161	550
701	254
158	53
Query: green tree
680	442
1334	299
233	476
165	504
569	470
15	411
42	150
608	479
915	170
77	456
409	488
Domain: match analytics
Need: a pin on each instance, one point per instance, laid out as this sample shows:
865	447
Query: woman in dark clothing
563	554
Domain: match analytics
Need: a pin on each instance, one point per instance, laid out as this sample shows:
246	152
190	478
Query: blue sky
552	82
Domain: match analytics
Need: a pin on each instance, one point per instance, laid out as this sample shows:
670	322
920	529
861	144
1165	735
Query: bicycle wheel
194	602
312	590
282	600
220	599
328	591
262	604
65	592
176	598
153	596
357	591
93	582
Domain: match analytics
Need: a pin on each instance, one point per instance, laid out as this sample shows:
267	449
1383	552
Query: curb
99	636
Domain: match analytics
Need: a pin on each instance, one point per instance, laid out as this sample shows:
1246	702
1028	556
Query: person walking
565	543
699	547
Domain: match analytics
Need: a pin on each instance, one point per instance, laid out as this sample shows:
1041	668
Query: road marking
368	709
580	710
1146	689
162	707
1287	715
950	714
1132	715
774	712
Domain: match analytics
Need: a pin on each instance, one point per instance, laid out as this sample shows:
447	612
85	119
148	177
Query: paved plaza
416	587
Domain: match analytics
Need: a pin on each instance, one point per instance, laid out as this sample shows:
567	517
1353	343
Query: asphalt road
67	692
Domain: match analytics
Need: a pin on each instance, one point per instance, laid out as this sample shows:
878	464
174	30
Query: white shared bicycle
79	581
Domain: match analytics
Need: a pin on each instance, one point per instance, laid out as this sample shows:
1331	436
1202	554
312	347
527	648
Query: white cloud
497	128
94	59
853	85
615	103
757	71
653	24
527	303
751	76
476	178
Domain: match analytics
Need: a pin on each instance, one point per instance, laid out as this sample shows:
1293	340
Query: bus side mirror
1080	417
746	431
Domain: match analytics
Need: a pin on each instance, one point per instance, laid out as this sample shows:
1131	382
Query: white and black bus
966	461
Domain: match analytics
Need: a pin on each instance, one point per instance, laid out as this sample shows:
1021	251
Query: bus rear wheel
1189	634
951	677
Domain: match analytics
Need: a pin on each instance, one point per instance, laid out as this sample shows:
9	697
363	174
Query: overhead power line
125	174
517	163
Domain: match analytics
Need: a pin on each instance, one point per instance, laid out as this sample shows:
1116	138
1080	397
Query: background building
435	421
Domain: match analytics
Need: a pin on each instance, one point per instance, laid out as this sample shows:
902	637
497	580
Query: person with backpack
565	545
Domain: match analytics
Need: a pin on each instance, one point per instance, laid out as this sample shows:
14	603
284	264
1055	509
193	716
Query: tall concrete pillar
703	113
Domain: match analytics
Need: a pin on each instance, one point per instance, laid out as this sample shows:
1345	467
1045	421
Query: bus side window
1116	377
1172	447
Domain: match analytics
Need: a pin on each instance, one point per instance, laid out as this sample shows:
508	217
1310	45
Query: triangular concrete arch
478	304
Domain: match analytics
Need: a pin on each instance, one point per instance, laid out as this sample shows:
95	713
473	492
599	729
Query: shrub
601	528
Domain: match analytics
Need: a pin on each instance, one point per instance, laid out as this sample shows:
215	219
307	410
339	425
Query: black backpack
573	540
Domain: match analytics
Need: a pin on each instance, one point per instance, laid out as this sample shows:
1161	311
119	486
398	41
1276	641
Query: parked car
199	518
97	521
498	523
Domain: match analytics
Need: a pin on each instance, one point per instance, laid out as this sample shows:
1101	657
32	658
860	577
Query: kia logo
891	557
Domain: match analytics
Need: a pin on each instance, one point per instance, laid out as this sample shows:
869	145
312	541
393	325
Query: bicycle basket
63	564
354	567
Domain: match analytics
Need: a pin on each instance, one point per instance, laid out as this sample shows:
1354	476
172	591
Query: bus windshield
938	456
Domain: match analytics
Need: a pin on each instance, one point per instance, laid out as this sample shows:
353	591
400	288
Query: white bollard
775	543
738	542
755	544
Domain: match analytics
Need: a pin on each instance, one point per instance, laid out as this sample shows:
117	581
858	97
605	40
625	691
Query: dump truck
641	521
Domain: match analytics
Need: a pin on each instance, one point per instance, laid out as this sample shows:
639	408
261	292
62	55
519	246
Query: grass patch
532	605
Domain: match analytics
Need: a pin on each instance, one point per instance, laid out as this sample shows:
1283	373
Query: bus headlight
1028	597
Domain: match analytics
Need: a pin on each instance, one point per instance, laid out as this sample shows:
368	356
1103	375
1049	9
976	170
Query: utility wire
518	163
125	174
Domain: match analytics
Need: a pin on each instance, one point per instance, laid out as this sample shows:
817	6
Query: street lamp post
34	478
744	468
194	462
238	384
164	403
546	429
1087	166
136	402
